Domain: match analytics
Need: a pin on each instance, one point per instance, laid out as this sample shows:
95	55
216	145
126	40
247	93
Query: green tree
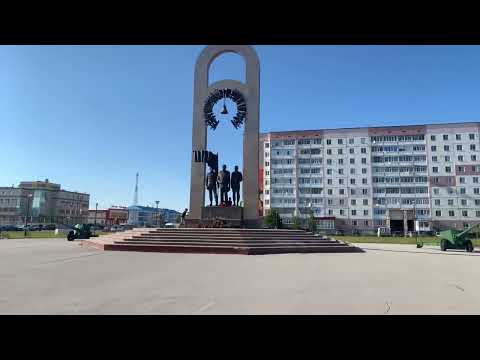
273	220
296	223
312	224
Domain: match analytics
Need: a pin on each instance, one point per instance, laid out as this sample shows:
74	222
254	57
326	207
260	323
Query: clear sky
90	117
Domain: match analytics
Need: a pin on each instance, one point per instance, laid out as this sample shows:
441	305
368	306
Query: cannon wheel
469	246
70	236
443	245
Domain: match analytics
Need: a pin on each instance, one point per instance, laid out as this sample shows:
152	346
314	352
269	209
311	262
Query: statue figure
237	178
211	184
223	181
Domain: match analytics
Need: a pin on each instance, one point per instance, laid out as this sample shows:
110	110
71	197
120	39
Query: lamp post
29	196
95	218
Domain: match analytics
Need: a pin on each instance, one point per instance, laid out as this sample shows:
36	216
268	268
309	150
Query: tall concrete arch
251	92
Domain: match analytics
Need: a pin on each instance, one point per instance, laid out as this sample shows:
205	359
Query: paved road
53	276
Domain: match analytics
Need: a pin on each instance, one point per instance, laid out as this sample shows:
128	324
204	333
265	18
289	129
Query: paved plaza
54	276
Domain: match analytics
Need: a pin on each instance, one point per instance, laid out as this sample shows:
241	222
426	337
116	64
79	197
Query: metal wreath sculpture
236	96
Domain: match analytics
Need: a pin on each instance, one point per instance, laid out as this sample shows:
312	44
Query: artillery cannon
80	231
455	239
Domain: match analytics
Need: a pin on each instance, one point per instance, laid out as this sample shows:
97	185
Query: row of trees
273	221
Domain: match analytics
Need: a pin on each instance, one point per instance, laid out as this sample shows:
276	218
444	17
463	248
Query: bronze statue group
225	182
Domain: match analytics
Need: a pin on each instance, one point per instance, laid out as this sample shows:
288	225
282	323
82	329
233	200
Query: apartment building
364	178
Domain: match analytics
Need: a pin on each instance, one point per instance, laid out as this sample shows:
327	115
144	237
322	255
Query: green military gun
80	231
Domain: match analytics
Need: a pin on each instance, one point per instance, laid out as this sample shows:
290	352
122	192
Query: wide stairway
219	241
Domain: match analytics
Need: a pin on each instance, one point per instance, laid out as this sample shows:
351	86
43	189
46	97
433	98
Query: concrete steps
218	241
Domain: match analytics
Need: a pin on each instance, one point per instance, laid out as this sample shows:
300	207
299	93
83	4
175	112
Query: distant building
47	203
114	215
100	218
144	216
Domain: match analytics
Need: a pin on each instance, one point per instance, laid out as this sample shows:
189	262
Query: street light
157	201
29	196
95	219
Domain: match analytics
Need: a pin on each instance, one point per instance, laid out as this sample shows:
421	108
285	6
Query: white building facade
365	178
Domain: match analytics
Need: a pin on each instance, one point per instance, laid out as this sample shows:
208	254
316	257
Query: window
476	191
352	161
354	212
445	137
329	161
329	142
462	180
329	181
450	202
433	148
447	158
461	169
438	213
353	202
436	191
473	157
342	191
459	148
477	213
342	212
448	169
365	212
267	192
365	192
267	163
330	212
352	150
462	190
472	147
340	161
446	148
435	169
464	202
354	222
352	181
451	213
475	179
267	154
364	181
340	141
362	140
465	213
330	192
342	201
352	171
329	151
434	159
477	201
433	137
329	171
340	172
340	151
364	150
364	170
352	191
304	142
460	157
364	160
437	202
351	141
471	136
458	136
365	202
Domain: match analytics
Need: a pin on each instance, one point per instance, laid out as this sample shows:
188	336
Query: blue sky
90	117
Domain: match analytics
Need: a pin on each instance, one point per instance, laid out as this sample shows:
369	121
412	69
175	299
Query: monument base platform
219	241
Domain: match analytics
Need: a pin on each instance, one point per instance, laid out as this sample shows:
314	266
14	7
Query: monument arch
247	98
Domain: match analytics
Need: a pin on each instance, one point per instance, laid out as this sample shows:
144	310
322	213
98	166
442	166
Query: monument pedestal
218	216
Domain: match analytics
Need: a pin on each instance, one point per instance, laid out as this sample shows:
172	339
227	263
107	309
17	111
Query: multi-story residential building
365	178
44	202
